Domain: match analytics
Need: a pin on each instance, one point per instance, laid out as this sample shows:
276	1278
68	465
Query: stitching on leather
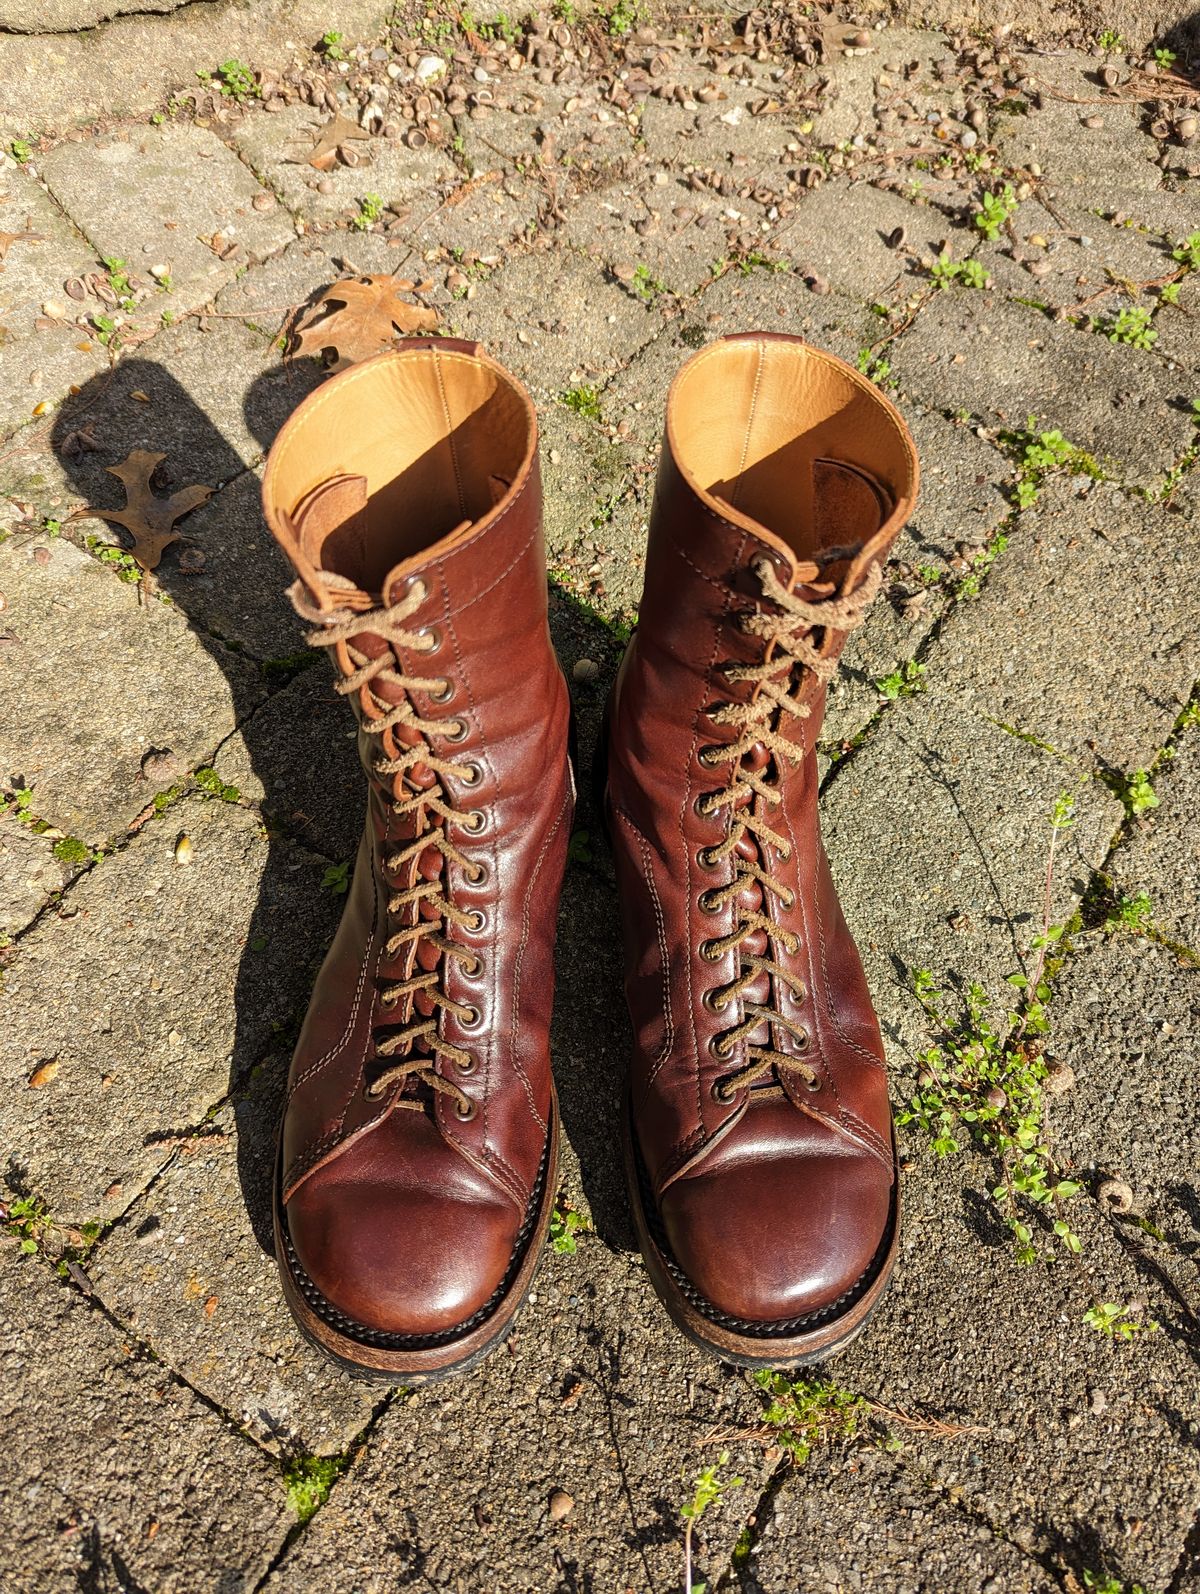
458	482
760	350
648	876
315	1068
537	868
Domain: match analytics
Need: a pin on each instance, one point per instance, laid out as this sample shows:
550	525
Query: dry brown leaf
358	317
210	1305
7	239
43	1073
340	130
149	520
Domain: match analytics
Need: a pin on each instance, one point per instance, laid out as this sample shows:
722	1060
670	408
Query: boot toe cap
768	1241
400	1259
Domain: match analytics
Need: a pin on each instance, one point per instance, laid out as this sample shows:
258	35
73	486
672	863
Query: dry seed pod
1116	1195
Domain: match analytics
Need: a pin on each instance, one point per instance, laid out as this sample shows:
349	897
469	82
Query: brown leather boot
418	1151
759	1148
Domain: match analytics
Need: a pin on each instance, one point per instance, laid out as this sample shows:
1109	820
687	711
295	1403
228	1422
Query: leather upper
414	476
775	1199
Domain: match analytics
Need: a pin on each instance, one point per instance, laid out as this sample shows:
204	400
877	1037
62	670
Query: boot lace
751	793
412	1048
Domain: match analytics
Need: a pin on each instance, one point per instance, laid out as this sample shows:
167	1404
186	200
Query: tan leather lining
436	436
761	426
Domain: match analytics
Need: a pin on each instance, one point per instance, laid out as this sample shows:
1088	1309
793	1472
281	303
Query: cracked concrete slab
156	987
1098	586
1161	853
122	1473
140	681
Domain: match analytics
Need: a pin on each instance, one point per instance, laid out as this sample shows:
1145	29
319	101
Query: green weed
1131	326
336	879
994	210
1135	791
370	210
308	1480
906	681
584	400
806	1412
1114	1321
969	273
708	1488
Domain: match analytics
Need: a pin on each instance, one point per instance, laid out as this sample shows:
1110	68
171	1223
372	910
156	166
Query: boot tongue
330	528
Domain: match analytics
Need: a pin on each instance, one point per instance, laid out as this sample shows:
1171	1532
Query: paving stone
840	231
595	1395
29	872
1077	269
297	756
1126	1016
240	594
474	221
1073	157
530	122
527	315
942	819
583	471
189	186
38	363
276	145
1085	1436
94	681
1098	587
1162	854
156	988
848	107
862	1522
676	235
116	1476
191	1270
1004	361
53	80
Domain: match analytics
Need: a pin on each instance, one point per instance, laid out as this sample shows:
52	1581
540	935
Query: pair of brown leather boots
417	1160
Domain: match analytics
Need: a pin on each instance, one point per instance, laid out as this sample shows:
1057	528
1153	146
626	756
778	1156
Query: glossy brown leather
774	1202
419	467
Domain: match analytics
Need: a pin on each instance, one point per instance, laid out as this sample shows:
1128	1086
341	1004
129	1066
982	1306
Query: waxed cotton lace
751	793
416	1044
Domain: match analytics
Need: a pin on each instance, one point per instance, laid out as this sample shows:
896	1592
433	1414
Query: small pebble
183	849
263	201
161	766
561	1505
1116	1195
1093	121
969	139
585	671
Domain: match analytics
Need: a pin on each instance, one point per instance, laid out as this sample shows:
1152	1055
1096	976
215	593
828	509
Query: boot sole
792	1342
375	1356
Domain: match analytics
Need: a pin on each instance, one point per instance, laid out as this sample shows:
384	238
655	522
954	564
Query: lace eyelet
707	953
473	969
387	1002
464	1113
717	1048
712	1000
443	693
706	860
812	1085
473	775
373	1091
432	639
475	921
707	905
721	1092
699	807
471	1019
803	1039
477	874
474	822
417	589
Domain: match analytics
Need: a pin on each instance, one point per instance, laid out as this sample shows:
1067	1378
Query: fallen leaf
210	1306
43	1073
149	520
358	317
7	239
336	132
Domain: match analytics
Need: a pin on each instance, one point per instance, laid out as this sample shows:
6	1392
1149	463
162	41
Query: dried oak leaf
340	130
358	317
148	519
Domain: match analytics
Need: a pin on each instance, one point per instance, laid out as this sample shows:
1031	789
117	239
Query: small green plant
806	1412
708	1487
27	1220
333	45
970	273
985	1082
970	585
566	11
125	565
1135	790
1038	453
1132	326
20	149
370	210
336	879
646	287
579	848
1115	1321
906	681
308	1480
875	367
118	280
211	784
74	853
565	1224
621	17
236	80
1169	292
1165	58
1109	39
19	803
1105	1583
584	400
1187	251
1129	913
994	210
